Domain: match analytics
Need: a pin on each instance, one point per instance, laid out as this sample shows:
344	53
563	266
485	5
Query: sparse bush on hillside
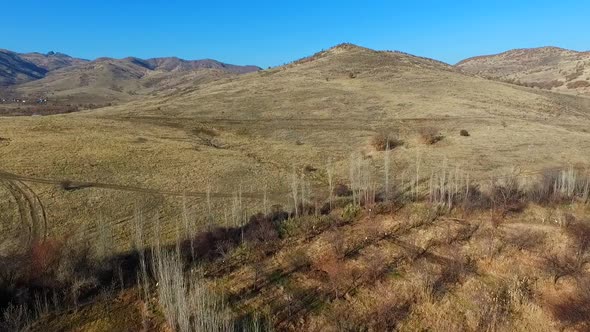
389	310
567	264
579	234
473	199
490	307
340	276
578	84
342	190
429	135
350	212
277	214
506	195
577	73
260	230
298	258
572	309
464	133
547	85
309	169
524	239
382	142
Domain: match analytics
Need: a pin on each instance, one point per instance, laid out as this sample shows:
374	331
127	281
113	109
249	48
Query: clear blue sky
269	33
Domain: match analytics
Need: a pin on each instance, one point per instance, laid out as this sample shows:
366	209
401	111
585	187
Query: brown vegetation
572	309
578	84
430	135
353	268
548	85
382	142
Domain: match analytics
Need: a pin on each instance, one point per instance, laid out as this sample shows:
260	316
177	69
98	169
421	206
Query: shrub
338	274
473	199
382	141
525	239
464	133
375	263
389	311
15	318
490	306
579	233
350	212
43	256
578	84
506	196
342	190
277	214
573	308
572	76
260	230
430	135
210	244
297	258
309	169
543	192
547	85
564	265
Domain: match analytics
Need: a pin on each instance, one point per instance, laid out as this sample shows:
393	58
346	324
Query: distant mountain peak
347	46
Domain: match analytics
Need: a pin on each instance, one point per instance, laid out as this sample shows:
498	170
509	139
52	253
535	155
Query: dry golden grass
280	120
427	265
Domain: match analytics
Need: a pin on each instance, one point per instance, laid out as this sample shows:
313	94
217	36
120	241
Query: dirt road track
74	185
30	208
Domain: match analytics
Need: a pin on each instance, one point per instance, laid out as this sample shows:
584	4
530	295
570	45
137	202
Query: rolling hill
14	69
549	68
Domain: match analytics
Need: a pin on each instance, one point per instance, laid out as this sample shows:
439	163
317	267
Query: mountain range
60	76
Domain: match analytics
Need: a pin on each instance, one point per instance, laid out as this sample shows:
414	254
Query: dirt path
31	210
75	185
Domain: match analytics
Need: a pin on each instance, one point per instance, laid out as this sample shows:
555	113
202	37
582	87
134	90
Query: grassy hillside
15	70
550	68
255	131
